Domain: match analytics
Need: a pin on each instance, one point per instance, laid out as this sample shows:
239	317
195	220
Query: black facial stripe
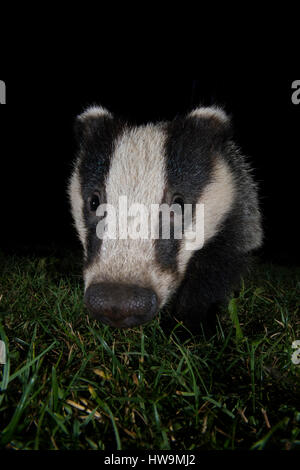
188	158
96	149
166	250
190	150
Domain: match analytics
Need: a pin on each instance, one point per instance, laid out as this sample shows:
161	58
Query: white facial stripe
76	200
217	198
138	172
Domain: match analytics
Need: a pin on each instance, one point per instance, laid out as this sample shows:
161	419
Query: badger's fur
193	156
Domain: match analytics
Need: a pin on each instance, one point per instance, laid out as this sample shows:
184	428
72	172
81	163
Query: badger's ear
90	121
213	123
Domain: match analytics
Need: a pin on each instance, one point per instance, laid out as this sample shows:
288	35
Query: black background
37	147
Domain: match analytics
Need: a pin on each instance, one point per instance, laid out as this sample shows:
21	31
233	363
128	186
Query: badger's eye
94	202
178	199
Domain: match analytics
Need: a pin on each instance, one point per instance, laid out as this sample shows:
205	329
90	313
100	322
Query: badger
191	160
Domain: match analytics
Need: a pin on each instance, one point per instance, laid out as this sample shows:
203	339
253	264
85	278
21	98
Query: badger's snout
121	305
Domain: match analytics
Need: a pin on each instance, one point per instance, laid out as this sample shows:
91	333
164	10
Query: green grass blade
27	366
233	312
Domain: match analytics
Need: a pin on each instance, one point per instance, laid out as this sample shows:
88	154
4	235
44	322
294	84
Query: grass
70	383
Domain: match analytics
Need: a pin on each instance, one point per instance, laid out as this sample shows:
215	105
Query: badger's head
128	280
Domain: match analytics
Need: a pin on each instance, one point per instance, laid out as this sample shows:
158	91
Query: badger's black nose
120	305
